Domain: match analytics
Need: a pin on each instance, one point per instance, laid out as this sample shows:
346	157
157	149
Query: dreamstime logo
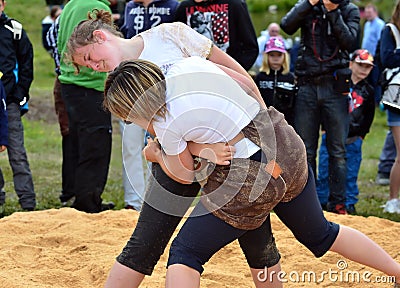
338	274
205	87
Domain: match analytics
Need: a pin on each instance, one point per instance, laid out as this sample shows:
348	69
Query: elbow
186	179
183	177
285	27
288	29
185	182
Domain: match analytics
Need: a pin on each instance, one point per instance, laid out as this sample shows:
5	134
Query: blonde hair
83	32
285	65
136	89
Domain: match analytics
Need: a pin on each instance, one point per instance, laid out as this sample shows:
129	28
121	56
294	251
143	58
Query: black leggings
155	227
161	213
304	217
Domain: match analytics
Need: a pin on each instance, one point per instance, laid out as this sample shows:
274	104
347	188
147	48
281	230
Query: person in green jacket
89	125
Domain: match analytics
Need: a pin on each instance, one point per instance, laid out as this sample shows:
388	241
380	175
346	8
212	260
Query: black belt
314	79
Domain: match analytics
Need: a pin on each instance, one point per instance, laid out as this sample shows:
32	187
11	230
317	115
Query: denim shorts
393	118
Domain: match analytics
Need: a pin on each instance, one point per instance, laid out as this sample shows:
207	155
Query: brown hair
395	19
83	32
136	89
55	11
370	5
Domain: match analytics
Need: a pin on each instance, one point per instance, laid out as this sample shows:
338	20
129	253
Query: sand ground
66	248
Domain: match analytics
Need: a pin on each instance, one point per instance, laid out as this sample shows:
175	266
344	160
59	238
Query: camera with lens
284	97
336	1
333	1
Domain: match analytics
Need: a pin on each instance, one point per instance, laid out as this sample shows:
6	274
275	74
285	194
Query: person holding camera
275	81
329	30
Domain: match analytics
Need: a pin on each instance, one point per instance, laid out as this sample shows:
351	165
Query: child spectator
361	109
275	81
3	140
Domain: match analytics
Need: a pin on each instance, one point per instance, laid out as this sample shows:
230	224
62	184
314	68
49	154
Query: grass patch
43	145
43	141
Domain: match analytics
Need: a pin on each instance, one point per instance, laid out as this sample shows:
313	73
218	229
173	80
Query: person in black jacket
16	51
228	24
3	140
362	110
275	81
328	32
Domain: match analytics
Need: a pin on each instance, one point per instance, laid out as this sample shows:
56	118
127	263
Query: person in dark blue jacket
47	22
16	49
145	14
3	140
390	58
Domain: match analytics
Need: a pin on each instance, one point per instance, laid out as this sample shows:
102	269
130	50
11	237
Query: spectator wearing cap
273	30
275	81
329	29
361	109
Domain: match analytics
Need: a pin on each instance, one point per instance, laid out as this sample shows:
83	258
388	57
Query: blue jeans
318	104
388	155
2	193
133	176
354	157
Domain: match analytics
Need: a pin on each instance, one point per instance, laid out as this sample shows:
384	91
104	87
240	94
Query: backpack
15	28
391	79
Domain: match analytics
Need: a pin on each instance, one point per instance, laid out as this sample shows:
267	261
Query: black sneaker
351	209
66	197
28	209
107	206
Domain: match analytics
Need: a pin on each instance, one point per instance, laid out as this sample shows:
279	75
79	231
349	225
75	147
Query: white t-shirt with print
204	105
